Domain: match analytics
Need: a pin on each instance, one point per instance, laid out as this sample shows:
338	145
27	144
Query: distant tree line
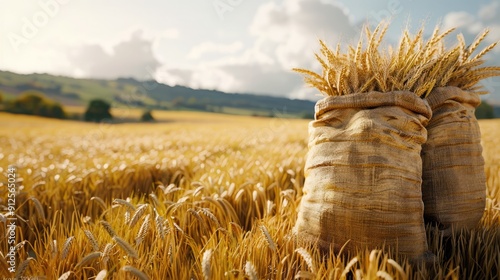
99	111
32	102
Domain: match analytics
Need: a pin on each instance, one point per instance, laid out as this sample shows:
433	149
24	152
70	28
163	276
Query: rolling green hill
127	92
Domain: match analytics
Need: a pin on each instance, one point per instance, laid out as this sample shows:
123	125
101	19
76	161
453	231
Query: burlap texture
364	173
454	182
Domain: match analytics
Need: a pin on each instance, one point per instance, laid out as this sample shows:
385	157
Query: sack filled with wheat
454	182
363	173
363	169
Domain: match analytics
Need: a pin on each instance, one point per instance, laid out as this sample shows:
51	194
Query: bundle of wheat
415	65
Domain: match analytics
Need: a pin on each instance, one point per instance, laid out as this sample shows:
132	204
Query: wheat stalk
196	215
394	264
88	258
160	226
134	271
170	189
269	240
463	48
106	252
484	51
20	245
126	217
92	240
22	268
349	266
125	203
99	201
138	214
126	247
156	201
210	215
478	41
307	258
38	207
205	263
101	275
67	247
108	228
143	231
53	247
178	228
321	61
65	275
306	275
250	271
384	275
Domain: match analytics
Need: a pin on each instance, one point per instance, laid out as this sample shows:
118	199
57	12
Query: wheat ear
65	275
126	247
22	268
134	271
251	271
67	247
205	263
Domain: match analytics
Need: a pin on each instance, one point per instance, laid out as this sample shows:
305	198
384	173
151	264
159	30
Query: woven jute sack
454	182
364	173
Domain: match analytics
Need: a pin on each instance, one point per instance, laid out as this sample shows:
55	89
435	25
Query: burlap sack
364	173
454	182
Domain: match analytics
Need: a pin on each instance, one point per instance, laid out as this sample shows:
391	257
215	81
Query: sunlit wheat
226	193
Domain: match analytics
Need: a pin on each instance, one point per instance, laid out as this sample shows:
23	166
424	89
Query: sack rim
440	95
405	99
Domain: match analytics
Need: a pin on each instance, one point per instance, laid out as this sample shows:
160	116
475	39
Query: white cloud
263	78
295	27
199	77
463	20
279	35
473	24
489	11
131	58
169	33
285	36
210	47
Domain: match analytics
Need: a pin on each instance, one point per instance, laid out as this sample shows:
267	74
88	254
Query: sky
244	46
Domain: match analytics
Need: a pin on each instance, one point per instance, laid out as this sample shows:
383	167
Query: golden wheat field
194	196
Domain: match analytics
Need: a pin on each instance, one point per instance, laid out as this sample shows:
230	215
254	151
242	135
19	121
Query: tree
97	111
1	97
485	111
33	102
57	111
147	116
28	103
52	110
